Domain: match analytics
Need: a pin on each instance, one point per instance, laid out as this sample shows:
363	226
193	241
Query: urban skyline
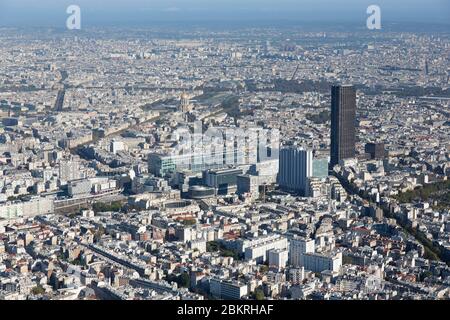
241	161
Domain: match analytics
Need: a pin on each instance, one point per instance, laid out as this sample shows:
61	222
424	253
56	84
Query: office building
69	170
375	150
223	181
316	262
164	164
200	192
259	251
36	206
296	275
248	185
299	246
198	153
79	188
296	166
278	258
225	289
116	146
343	119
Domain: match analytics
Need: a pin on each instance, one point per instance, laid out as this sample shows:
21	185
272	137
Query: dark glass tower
343	118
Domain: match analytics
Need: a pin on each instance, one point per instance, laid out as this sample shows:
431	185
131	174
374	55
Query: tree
212	246
184	280
189	222
38	290
264	268
424	275
227	253
115	206
259	294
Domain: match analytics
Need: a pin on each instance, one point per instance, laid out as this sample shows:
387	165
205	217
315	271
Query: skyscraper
296	166
343	117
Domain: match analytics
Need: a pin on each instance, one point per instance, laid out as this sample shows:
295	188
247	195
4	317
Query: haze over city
118	12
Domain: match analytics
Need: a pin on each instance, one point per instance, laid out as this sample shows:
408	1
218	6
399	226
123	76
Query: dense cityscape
119	179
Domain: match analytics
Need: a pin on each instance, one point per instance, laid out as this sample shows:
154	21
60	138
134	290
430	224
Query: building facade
376	150
296	166
343	119
224	289
316	262
299	246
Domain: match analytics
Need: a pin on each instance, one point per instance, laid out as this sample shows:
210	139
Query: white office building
296	275
259	251
278	258
320	262
225	289
36	206
299	246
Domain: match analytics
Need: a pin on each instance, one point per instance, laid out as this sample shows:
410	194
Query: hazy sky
94	12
